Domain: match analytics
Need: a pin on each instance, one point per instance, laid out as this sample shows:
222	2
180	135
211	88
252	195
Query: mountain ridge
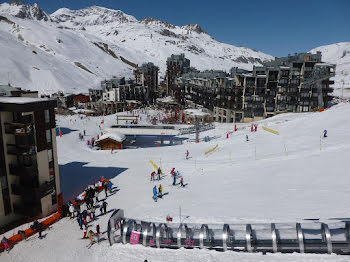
106	43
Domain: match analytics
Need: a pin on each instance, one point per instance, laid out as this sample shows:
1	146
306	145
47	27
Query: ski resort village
126	139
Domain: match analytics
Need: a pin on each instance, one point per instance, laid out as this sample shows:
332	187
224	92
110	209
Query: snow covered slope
73	50
292	177
338	54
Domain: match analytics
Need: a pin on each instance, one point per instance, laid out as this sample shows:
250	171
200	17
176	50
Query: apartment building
299	83
147	75
177	65
29	175
117	93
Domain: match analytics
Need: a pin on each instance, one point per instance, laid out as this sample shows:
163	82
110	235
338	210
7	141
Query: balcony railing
27	209
20	150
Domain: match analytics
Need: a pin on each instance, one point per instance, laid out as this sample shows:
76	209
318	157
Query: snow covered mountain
72	51
338	54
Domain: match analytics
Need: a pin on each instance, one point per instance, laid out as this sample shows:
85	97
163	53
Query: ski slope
289	177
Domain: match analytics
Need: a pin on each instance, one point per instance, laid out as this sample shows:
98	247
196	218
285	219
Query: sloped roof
112	135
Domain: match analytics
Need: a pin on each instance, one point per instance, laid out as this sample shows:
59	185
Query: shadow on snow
64	130
76	176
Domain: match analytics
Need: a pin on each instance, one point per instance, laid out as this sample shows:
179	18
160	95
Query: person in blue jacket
110	185
325	133
155	194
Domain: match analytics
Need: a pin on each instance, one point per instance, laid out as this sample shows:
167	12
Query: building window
48	136
5	195
49	152
47	116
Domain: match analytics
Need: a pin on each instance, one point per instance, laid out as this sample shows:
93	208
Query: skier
91	237
93	212
110	185
187	154
104	206
325	133
172	171
5	243
246	138
85	223
22	233
80	221
71	211
159	172
84	132
98	233
182	182
174	179
155	193
160	191
106	188
152	175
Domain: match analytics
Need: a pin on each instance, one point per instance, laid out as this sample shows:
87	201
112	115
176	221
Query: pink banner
134	238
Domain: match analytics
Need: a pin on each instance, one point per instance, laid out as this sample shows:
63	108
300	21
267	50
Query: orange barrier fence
29	232
44	224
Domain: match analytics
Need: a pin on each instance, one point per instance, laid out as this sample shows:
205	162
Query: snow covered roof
323	64
22	100
82	111
112	135
167	99
196	112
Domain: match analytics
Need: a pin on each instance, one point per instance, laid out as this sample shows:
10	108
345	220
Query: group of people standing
153	174
158	193
86	213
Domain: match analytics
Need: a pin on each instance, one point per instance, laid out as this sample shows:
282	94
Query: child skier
187	154
325	133
152	175
182	182
246	138
91	237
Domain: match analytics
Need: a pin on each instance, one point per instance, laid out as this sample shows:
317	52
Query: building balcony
272	79
19	129
22	170
31	191
27	209
20	149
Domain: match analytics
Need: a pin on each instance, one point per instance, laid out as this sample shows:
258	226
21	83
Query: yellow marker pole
285	149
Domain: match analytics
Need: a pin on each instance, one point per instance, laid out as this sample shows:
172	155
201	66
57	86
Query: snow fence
309	237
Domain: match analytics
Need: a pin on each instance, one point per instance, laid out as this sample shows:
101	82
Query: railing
192	129
20	150
308	237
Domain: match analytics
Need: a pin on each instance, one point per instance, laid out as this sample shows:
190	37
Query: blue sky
276	27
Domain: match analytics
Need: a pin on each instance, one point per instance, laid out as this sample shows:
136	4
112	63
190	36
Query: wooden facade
108	144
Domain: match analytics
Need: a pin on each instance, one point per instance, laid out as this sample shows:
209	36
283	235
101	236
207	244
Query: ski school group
175	175
84	208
